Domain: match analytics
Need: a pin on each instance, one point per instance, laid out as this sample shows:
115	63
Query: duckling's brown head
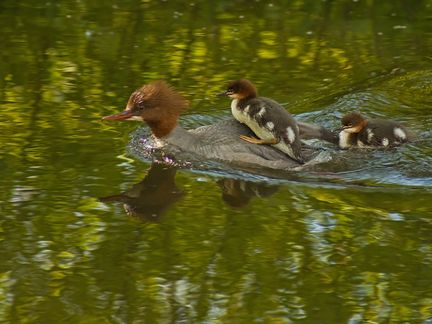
353	122
240	89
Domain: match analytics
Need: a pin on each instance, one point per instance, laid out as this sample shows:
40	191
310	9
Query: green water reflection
170	245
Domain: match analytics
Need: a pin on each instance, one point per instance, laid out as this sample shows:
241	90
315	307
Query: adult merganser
265	117
159	105
357	131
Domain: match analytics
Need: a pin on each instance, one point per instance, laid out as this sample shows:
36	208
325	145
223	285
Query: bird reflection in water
149	199
238	193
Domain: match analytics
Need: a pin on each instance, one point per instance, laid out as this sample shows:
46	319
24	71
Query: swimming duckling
357	131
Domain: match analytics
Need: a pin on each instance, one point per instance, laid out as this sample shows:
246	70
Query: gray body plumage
221	142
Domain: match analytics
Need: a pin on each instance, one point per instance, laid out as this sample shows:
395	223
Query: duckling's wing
282	123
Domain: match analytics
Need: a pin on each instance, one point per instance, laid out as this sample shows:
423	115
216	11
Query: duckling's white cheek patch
385	141
290	134
399	133
350	130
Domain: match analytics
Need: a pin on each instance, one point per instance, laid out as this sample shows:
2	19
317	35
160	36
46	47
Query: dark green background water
349	242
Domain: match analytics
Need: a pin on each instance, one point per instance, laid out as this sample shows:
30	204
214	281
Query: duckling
357	131
270	122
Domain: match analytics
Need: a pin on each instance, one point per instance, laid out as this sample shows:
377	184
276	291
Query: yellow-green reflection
352	246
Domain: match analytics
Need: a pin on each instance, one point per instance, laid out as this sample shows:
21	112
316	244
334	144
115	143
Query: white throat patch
135	118
344	139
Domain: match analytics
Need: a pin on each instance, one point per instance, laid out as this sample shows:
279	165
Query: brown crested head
240	89
156	103
353	122
156	96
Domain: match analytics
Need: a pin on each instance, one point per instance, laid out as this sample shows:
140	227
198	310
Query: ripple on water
412	88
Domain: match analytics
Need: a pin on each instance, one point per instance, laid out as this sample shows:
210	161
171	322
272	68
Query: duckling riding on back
269	121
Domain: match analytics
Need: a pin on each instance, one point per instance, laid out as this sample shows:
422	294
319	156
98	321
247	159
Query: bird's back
222	141
384	132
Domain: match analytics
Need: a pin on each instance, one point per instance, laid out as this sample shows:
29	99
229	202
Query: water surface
345	242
